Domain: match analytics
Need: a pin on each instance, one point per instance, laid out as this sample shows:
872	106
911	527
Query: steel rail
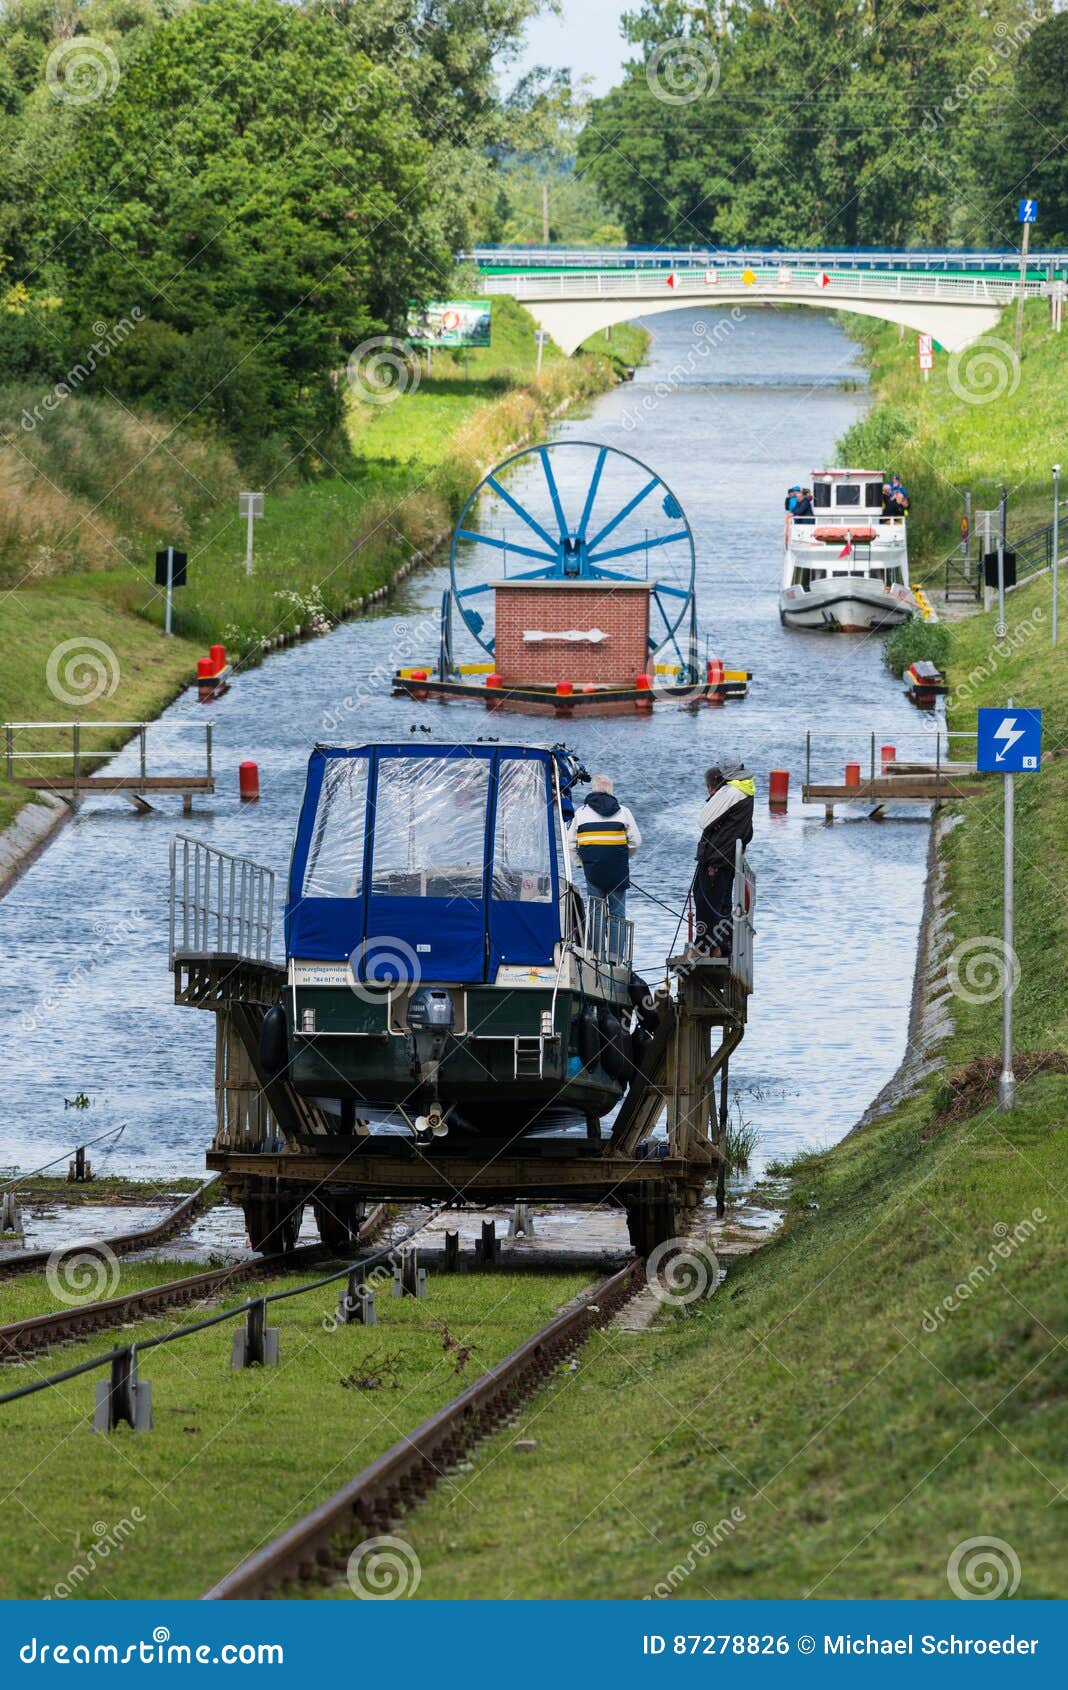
23	1338
30	1261
314	1548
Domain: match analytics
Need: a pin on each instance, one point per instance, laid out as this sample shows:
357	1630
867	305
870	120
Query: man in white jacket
603	837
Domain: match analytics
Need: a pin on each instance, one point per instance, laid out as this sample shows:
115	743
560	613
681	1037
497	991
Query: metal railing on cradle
219	903
607	938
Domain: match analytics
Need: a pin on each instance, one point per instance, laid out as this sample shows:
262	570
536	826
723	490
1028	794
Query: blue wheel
574	510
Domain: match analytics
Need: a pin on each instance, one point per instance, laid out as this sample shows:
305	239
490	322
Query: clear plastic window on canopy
335	856
522	868
430	827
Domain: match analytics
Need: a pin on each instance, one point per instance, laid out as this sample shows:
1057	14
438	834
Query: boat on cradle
444	974
846	568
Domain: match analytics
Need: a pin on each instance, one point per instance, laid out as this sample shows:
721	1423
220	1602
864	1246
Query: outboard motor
430	1021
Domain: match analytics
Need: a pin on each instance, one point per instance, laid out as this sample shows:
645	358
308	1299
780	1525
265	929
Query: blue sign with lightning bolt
1010	741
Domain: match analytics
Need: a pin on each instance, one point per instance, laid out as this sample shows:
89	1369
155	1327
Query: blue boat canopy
434	862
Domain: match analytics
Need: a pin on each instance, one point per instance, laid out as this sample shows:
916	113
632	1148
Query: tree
255	176
1029	163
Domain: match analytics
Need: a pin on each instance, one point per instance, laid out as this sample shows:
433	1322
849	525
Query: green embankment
233	1458
981	422
92	491
887	1378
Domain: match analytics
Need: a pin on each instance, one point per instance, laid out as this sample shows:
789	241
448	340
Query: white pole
248	542
170	590
1007	1079
1056	542
1023	282
541	348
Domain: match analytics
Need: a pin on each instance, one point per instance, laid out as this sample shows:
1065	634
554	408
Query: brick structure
618	609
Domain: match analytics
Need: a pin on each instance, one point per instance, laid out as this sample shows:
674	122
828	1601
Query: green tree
1028	159
253	176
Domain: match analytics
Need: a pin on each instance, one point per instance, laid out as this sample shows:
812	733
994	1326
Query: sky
586	37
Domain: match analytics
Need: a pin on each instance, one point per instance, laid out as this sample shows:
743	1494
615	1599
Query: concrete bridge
571	305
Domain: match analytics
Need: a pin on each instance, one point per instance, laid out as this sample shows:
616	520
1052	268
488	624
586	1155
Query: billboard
450	322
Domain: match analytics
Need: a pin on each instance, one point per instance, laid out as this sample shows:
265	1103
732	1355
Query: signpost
250	506
1056	544
1026	214
1010	743
541	339
925	354
170	573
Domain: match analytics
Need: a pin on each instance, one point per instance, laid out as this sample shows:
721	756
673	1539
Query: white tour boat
846	567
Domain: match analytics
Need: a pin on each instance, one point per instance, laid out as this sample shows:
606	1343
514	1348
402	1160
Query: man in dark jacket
603	838
726	817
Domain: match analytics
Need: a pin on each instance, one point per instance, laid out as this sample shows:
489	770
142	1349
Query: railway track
23	1338
317	1547
29	1261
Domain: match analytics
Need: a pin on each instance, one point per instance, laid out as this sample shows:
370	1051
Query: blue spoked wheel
574	510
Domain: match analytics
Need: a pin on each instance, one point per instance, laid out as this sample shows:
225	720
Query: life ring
835	536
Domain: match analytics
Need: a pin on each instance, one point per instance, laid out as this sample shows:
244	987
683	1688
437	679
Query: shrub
914	641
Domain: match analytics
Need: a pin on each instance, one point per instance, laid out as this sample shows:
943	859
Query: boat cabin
849	492
441	862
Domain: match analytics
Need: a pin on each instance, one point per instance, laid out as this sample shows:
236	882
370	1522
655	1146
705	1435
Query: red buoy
494	680
248	780
206	670
779	788
218	659
419	675
888	754
852	774
716	693
564	689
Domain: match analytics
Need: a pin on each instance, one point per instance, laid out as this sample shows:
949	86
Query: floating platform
478	684
889	789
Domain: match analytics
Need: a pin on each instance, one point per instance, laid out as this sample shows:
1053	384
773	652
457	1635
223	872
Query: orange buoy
888	755
779	789
218	658
852	774
248	780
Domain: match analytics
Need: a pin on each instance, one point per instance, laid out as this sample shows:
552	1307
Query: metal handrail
605	937
743	909
974	290
219	903
77	753
680	258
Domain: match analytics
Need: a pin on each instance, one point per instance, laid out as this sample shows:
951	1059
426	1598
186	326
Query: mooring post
520	1224
486	1247
452	1252
10	1215
257	1345
350	1296
721	1171
123	1398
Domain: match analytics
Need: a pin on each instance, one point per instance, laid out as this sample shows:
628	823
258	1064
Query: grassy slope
234	1457
943	444
318	547
860	1445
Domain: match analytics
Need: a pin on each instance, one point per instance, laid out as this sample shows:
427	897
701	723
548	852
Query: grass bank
91	491
885	1380
233	1458
980	422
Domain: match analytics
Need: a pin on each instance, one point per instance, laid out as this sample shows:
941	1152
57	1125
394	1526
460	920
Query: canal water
85	992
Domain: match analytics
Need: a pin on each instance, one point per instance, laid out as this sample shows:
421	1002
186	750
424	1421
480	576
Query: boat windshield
430	827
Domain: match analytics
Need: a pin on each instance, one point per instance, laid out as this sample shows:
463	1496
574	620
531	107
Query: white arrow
1010	733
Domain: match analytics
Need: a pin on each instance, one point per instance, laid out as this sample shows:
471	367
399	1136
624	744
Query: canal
85	992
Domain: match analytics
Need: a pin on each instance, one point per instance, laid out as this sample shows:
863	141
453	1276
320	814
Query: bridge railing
857	258
707	284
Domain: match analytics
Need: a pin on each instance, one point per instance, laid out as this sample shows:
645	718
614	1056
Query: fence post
142	731
76	745
9	739
207	748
